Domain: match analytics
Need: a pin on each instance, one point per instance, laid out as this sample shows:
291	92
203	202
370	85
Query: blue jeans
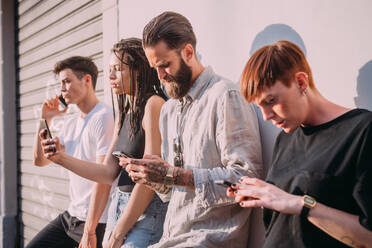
149	227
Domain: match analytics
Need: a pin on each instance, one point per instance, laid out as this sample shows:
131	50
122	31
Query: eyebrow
159	63
263	99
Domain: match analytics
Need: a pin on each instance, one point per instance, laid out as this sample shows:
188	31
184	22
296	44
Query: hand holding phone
51	108
44	125
121	156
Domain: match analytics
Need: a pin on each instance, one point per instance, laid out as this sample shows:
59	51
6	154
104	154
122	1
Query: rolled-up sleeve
238	140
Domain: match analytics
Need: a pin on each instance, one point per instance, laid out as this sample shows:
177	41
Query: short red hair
279	61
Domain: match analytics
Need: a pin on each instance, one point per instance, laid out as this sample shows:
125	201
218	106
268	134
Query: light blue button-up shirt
220	140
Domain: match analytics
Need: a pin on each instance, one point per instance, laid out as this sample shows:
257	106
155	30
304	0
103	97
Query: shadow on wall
270	35
364	87
274	33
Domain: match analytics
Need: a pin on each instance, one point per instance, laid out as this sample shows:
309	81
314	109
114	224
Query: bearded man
208	133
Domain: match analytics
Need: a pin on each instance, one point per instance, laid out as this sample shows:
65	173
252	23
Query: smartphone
44	125
120	154
223	183
62	102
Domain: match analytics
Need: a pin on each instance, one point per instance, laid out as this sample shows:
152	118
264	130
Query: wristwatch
309	203
169	179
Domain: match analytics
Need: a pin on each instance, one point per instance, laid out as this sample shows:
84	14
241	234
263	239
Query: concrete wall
335	35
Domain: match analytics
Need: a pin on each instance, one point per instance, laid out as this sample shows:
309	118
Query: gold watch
309	203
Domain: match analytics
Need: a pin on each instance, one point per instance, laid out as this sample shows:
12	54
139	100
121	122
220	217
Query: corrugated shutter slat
49	31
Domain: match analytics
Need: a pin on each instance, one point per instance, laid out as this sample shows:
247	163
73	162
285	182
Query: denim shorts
149	227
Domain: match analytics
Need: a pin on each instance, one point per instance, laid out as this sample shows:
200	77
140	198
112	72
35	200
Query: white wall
335	34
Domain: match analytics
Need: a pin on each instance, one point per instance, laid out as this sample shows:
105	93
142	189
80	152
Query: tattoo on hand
156	171
184	177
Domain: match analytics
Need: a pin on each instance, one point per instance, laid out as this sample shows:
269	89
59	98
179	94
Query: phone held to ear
223	183
44	125
62	102
120	154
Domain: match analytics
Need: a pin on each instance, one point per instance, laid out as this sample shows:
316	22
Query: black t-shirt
331	162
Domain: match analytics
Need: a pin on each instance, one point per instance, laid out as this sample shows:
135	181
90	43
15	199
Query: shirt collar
200	84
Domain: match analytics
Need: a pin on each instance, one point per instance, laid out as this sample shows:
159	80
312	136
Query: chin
118	92
289	129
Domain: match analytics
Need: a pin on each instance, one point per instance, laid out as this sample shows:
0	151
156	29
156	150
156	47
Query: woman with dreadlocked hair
140	98
136	214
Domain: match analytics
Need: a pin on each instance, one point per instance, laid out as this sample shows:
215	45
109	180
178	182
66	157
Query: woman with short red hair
318	192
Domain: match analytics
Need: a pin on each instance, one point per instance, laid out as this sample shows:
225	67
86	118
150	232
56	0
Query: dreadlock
144	83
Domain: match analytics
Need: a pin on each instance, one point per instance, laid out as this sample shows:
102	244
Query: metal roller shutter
49	30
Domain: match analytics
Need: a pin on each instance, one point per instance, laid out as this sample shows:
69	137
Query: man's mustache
169	78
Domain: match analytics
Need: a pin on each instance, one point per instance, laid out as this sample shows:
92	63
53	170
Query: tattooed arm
184	177
153	170
158	187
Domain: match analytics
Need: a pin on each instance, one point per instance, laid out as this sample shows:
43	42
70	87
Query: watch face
309	201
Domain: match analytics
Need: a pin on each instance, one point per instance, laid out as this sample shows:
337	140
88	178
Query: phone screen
44	125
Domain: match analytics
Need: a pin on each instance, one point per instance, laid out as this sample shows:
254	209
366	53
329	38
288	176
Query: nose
267	113
112	74
63	87
161	73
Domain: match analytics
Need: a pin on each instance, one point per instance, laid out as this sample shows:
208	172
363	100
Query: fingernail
245	198
241	204
234	184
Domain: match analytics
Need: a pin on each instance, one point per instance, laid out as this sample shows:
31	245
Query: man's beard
177	86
